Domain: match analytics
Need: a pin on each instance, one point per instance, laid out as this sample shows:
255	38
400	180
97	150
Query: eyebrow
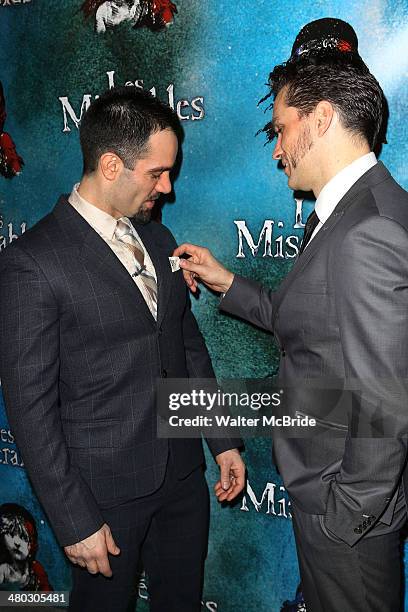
160	169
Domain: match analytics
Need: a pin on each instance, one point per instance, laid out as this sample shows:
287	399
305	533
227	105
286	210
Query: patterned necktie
124	233
311	224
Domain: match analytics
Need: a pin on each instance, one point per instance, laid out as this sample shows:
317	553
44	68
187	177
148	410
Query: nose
164	184
277	152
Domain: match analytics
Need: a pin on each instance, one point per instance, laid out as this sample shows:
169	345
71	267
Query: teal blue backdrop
211	63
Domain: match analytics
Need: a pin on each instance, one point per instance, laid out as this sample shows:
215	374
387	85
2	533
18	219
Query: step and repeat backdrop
210	61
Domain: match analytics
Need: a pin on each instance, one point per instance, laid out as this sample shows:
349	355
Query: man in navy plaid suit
98	316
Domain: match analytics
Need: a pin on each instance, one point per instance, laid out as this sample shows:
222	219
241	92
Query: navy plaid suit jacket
79	359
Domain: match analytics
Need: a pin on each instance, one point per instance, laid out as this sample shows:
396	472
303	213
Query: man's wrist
227	284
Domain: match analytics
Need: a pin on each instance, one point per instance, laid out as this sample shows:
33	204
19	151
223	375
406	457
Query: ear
325	117
110	165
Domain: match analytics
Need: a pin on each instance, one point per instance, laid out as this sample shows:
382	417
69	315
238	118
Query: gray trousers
338	578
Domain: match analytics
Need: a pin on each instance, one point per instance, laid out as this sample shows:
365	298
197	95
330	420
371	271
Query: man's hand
92	552
205	267
232	477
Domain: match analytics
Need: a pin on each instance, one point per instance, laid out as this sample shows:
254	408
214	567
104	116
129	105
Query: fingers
103	565
72	559
224	490
225	495
97	564
190	280
92	567
110	543
235	488
92	552
190	266
232	475
225	475
93	562
189	249
203	265
238	486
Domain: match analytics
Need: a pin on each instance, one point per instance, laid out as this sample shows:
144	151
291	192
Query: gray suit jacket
341	320
80	354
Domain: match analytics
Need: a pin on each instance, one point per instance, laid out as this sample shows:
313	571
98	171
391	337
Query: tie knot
311	224
123	228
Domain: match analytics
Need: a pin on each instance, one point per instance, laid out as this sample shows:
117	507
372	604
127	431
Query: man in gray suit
98	315
340	318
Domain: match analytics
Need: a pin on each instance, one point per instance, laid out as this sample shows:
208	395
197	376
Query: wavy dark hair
342	79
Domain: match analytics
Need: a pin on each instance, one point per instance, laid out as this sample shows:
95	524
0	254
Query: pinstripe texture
79	357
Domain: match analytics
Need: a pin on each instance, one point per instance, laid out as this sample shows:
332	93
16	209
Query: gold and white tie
124	233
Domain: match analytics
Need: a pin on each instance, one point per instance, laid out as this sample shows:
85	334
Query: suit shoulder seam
40	268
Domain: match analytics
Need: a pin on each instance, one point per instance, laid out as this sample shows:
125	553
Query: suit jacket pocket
326	532
101	433
323	422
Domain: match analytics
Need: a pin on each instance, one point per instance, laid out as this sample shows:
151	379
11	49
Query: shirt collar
340	184
101	221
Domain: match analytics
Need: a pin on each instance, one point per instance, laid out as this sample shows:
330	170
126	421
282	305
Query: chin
142	216
292	183
297	185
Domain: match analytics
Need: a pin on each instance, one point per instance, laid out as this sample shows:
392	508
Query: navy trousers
166	531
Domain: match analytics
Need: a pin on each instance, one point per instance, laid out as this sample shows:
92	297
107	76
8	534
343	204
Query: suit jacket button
283	352
164	373
358	529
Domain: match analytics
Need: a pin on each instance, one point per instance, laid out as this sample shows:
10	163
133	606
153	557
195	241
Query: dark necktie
311	224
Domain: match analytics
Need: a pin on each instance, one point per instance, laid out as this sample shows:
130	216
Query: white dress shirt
105	225
338	186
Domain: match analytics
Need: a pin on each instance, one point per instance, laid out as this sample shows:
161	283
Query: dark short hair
122	120
343	81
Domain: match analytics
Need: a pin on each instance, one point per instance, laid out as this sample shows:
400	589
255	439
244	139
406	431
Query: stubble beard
143	216
303	145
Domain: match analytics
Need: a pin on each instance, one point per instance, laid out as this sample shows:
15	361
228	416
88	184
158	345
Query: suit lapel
375	175
161	264
98	257
305	258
